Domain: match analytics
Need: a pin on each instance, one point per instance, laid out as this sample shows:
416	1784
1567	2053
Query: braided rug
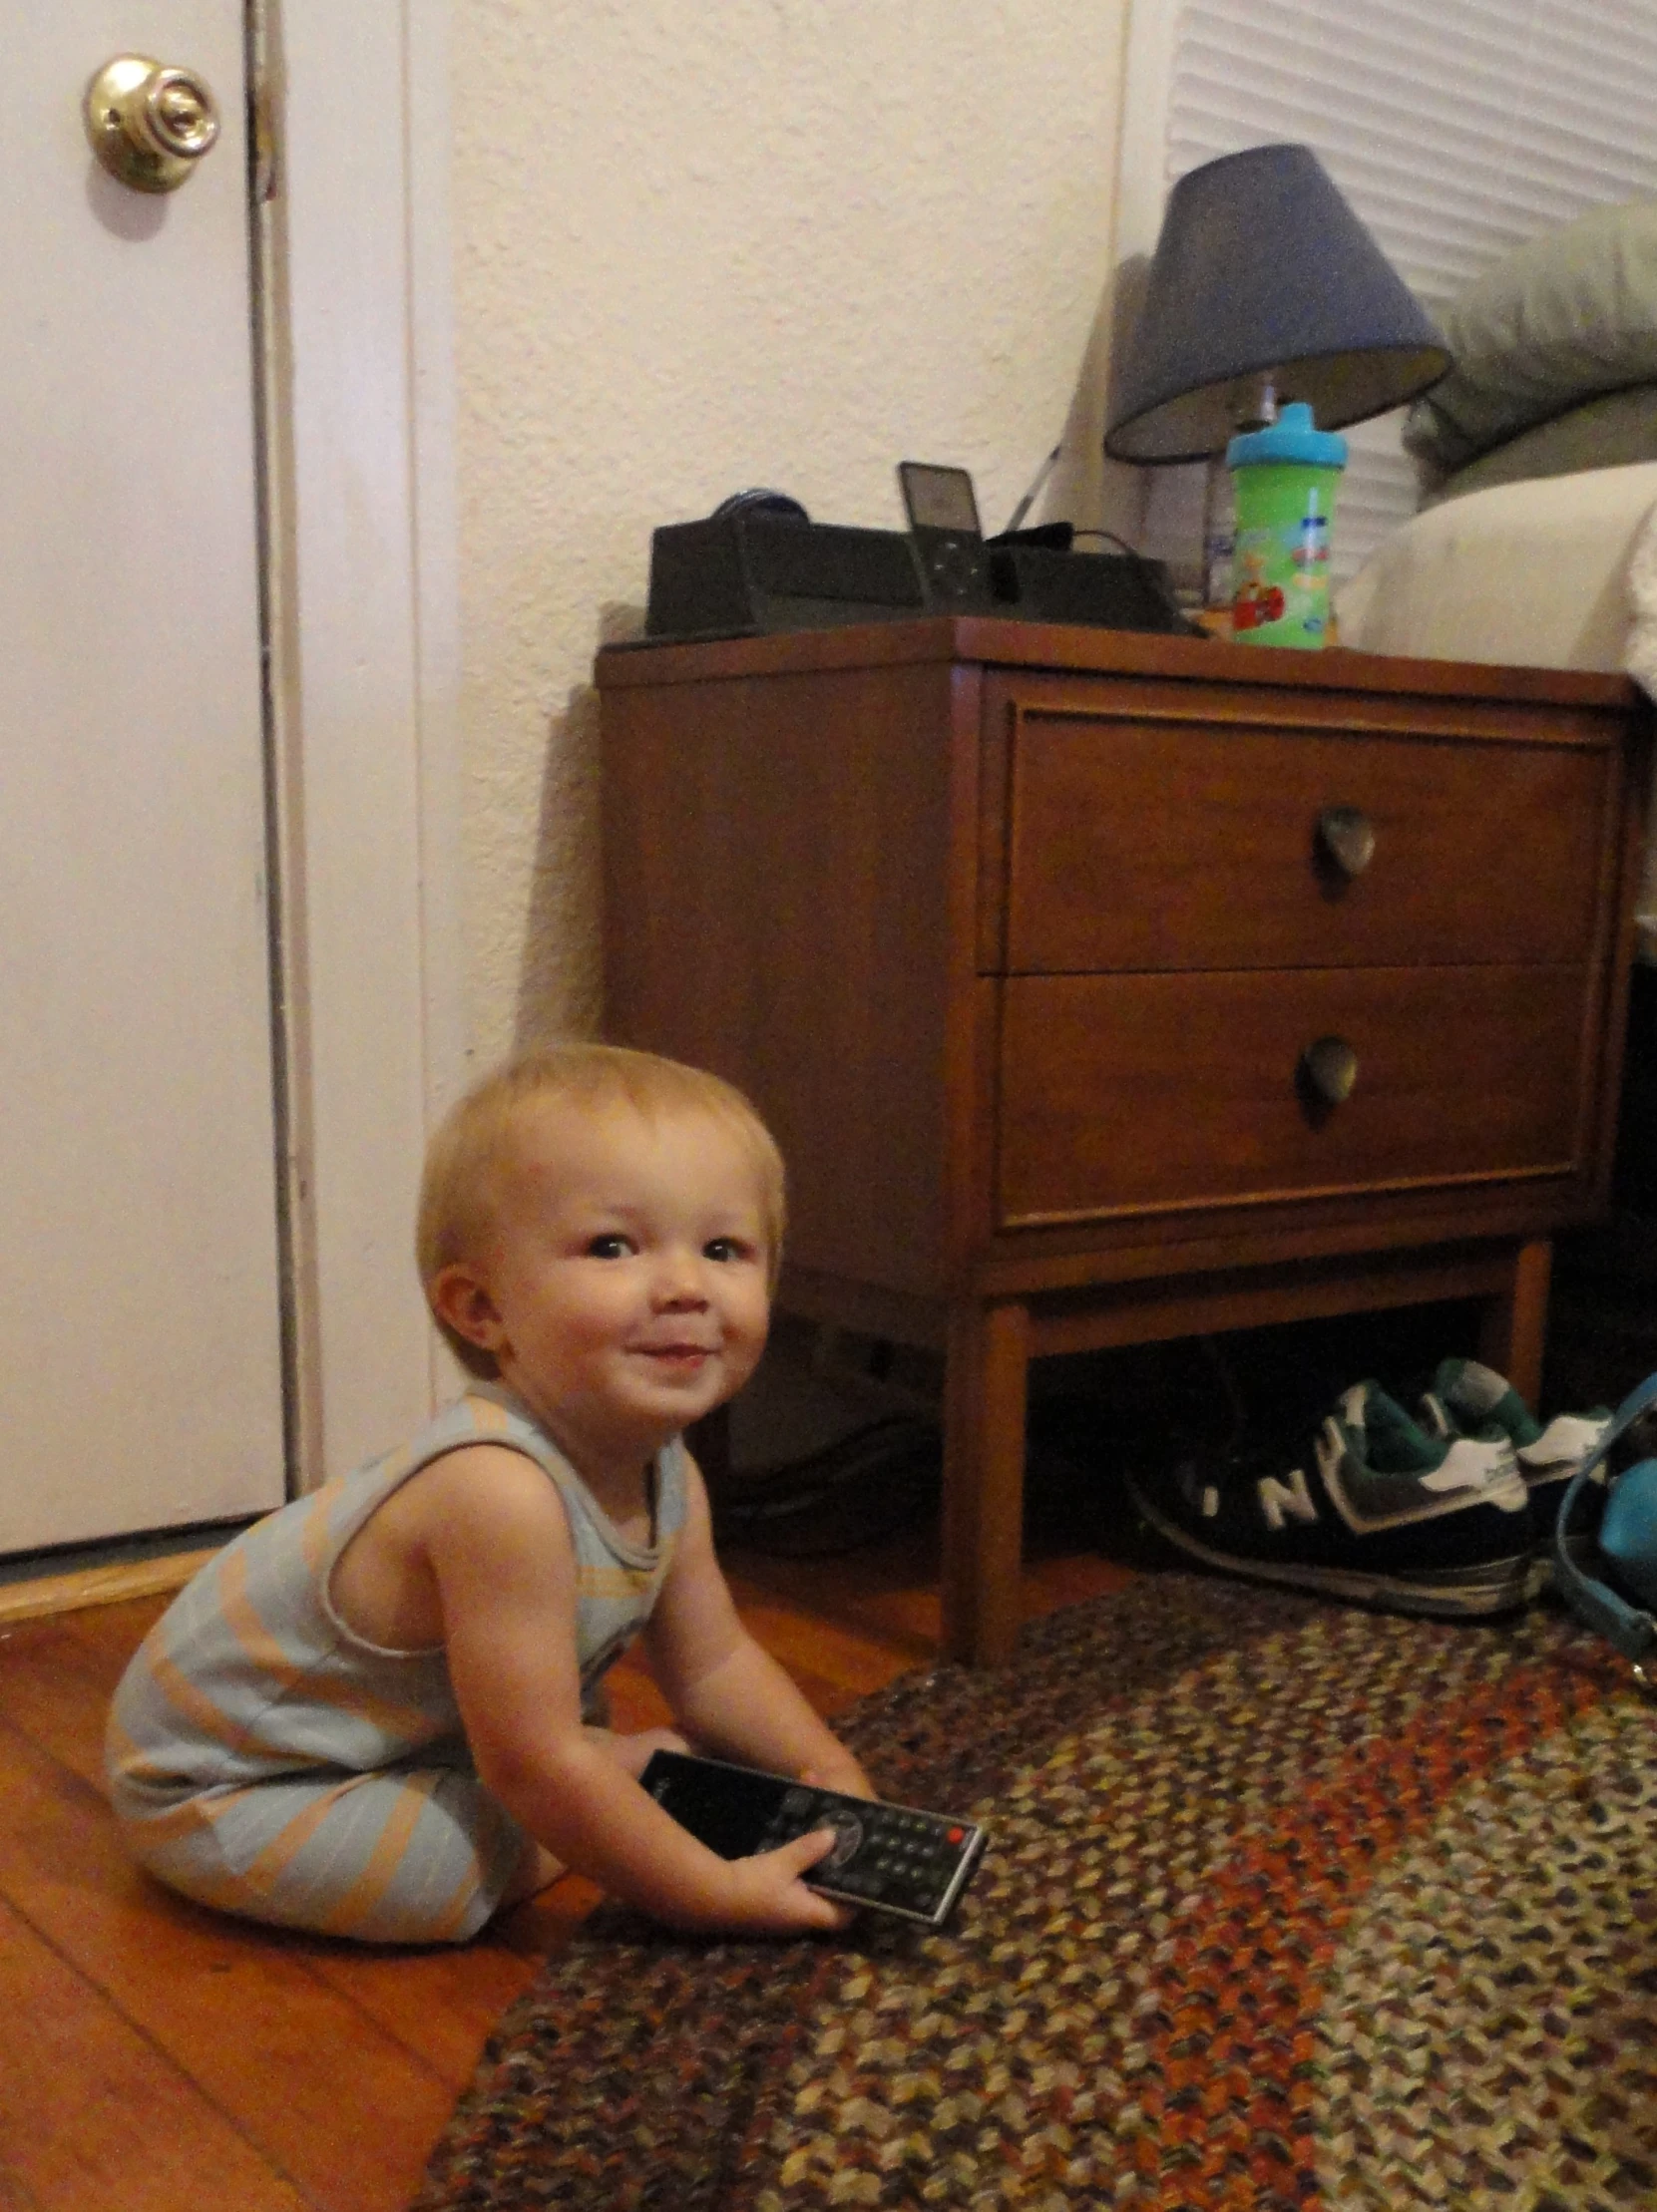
1286	1904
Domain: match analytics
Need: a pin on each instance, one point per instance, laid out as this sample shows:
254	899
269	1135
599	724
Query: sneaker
1369	1508
1470	1400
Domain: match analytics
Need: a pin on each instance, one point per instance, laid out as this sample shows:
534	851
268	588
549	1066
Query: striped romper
264	1758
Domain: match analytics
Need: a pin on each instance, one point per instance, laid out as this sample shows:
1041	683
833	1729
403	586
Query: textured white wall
707	245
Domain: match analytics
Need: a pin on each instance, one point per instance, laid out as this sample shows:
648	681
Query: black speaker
1120	592
743	574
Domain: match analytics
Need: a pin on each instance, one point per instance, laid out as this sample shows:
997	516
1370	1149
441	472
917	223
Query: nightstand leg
1514	1326
983	1481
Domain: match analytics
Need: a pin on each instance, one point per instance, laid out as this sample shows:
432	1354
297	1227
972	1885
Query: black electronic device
753	568
759	564
948	542
1120	591
894	1858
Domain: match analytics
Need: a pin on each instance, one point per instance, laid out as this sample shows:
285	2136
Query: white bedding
1559	572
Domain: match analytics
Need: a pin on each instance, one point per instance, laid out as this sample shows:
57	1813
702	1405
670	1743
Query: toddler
370	1715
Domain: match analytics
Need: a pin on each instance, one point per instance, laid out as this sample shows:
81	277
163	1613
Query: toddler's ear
460	1297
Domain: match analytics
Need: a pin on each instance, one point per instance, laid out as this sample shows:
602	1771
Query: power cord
857	1491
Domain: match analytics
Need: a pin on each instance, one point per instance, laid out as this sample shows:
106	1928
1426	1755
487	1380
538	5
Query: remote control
892	1857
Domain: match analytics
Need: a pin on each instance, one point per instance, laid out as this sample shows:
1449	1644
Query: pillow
1569	315
1534	574
1609	432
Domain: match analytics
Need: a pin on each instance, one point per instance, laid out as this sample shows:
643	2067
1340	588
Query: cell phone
949	540
893	1858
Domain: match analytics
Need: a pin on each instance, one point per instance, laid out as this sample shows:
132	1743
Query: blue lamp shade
1262	270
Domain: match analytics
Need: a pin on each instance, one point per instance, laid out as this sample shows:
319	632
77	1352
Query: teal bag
1625	1542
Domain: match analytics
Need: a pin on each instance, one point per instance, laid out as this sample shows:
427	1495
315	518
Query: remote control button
848	1834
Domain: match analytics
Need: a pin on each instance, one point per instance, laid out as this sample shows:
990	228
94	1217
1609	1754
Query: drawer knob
1348	837
1330	1067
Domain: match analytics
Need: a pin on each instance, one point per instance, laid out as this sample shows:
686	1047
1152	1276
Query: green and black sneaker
1367	1507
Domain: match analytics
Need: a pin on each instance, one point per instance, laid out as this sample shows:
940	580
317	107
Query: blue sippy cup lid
1291	438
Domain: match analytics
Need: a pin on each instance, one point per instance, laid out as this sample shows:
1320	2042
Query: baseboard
43	1595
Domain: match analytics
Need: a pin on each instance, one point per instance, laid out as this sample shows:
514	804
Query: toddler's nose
679	1280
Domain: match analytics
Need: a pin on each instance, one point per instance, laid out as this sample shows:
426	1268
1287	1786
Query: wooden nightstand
1018	935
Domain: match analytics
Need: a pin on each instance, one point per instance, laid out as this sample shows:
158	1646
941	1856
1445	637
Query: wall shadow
1086	487
560	963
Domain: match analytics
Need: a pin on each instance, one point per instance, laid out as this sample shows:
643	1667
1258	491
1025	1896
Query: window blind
1457	129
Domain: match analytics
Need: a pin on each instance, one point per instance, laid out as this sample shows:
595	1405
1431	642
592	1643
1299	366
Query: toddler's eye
611	1247
725	1247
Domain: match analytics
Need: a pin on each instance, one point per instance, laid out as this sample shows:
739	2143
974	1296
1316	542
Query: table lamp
1265	287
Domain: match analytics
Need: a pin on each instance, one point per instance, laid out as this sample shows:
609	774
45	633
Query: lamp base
1219	533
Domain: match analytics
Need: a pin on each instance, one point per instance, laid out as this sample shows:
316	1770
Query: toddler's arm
499	1548
727	1692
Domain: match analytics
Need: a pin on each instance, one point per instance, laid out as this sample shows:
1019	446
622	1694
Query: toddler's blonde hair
473	1146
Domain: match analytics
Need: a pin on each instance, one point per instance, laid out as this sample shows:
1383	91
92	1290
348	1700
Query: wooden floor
162	2058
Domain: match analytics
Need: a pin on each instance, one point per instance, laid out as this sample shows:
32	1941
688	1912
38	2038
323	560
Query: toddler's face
630	1275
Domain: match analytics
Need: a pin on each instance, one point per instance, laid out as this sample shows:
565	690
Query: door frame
359	478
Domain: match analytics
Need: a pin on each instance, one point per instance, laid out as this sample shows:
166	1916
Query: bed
1537	540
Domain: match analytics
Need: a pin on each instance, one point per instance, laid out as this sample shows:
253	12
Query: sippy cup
1284	479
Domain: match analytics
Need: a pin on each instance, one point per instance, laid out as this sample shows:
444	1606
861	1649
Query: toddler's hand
768	1896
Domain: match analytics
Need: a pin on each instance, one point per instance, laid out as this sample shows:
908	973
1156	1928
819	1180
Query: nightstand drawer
1144	843
1153	1093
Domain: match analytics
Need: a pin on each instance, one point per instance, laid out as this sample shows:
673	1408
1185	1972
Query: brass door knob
1329	1065
150	125
1348	837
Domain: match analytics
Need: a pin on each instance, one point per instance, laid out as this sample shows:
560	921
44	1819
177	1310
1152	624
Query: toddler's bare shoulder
485	1487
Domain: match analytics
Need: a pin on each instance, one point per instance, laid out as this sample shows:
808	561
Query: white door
140	1381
